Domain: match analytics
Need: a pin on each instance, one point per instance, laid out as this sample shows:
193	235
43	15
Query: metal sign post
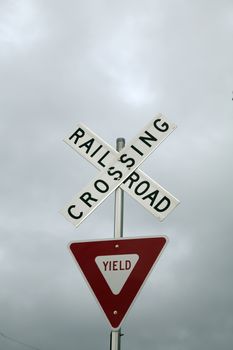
115	336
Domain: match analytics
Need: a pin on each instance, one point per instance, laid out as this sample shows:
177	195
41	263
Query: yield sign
116	270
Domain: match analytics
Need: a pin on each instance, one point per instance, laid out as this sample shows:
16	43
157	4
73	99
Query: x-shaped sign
118	169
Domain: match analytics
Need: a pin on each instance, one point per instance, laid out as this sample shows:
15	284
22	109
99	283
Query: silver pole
115	336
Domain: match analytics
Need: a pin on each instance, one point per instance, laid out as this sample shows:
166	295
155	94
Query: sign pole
115	336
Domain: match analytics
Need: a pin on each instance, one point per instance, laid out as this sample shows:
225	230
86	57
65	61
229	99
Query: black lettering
134	177
97	150
143	190
156	207
86	197
152	196
105	265
87	144
137	150
102	158
127	264
164	126
102	190
72	215
77	134
130	160
146	139
114	173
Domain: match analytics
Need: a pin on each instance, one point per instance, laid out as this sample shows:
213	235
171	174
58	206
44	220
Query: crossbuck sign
119	169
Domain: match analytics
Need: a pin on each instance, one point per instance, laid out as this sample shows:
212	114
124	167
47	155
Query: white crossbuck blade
118	169
101	154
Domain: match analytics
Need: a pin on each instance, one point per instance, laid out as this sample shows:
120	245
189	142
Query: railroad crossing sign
116	271
119	169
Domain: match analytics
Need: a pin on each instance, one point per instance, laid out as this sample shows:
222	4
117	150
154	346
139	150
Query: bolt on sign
119	169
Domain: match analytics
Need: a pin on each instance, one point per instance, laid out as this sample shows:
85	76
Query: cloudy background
112	65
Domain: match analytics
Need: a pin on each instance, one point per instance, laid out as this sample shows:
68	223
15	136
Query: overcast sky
112	65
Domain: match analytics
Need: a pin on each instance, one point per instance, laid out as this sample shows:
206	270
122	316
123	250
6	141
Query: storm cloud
112	65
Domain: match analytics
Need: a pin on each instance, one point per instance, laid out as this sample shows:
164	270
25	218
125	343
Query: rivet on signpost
115	336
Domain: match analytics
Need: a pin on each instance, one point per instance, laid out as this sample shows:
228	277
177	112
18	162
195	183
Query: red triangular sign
116	270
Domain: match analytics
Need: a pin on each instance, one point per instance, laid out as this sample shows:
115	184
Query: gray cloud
112	66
